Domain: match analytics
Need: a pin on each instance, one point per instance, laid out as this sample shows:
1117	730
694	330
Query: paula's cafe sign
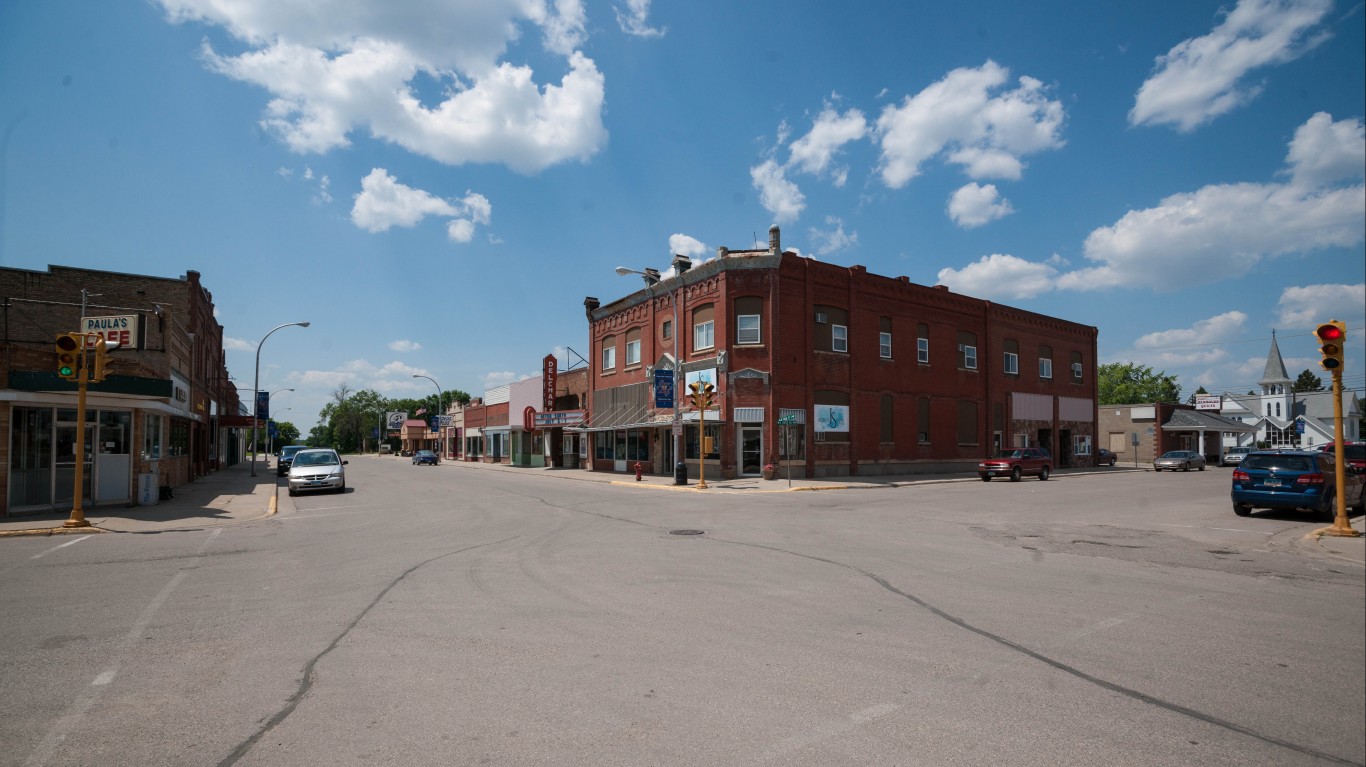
124	331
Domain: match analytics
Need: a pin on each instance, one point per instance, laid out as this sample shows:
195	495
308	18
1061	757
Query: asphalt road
440	616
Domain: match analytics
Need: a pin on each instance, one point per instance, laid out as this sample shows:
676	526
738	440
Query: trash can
148	492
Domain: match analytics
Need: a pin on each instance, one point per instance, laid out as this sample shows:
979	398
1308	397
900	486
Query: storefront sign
559	418
832	418
122	331
549	367
529	418
1208	402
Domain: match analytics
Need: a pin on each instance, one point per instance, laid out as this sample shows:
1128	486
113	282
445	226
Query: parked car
1105	457
1354	453
1293	480
286	458
1234	456
1184	460
1015	463
424	456
318	468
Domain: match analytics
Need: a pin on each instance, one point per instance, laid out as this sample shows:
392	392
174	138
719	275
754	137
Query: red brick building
159	412
832	369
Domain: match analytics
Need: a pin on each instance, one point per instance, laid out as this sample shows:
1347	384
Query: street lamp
440	434
651	277
256	387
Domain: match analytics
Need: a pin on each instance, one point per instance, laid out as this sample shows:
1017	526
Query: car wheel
1043	474
986	477
1330	508
1242	510
1187	467
292	493
1156	469
1015	474
1202	467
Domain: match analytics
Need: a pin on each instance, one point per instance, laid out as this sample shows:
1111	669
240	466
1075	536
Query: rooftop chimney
681	263
589	305
775	246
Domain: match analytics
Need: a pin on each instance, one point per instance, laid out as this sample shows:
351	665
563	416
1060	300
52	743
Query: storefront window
1081	445
151	437
714	435
180	437
115	432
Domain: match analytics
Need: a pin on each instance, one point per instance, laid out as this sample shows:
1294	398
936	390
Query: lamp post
256	387
651	277
440	435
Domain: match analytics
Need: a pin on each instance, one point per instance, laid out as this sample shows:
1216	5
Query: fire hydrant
637	471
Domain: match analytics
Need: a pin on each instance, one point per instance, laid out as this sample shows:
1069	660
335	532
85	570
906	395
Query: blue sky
436	189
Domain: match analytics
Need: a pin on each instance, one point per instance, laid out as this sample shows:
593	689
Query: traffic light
101	356
68	355
703	394
1332	335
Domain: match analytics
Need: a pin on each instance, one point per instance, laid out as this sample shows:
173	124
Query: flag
420	411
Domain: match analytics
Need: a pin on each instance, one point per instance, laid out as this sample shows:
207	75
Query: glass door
64	458
751	450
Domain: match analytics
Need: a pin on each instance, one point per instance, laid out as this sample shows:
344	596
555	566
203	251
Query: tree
1307	382
1126	383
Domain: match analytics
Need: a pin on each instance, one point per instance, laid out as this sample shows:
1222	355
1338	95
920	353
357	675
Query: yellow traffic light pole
77	518
1332	337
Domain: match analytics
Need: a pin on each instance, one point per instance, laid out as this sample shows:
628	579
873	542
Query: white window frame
1012	365
839	338
1045	367
1076	370
884	345
970	357
747	335
922	350
632	353
609	357
704	335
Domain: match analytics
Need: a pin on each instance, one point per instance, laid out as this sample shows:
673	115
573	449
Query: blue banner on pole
262	405
436	424
664	388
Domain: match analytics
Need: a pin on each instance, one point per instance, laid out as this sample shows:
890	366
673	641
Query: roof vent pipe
774	240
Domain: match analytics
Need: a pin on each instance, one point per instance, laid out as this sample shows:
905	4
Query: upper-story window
1011	366
609	353
967	350
831	329
922	343
633	347
703	328
667	330
1074	362
1045	362
748	311
884	338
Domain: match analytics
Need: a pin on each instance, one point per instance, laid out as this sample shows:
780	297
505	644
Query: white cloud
685	245
779	196
1324	151
404	345
634	19
335	66
976	204
1309	305
1201	78
1000	276
987	134
237	345
499	378
814	152
833	240
1191	346
383	203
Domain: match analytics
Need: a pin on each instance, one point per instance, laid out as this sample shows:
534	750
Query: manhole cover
685	532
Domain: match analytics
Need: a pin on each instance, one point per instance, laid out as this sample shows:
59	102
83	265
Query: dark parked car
1105	458
1184	460
1352	452
286	458
424	456
1015	463
1292	480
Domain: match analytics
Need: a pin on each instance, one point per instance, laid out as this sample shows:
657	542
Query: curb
51	531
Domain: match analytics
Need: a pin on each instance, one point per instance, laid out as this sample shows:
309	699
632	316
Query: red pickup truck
1016	463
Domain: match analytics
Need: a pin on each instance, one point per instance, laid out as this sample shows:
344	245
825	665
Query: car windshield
1277	462
425	453
320	458
1011	454
1176	454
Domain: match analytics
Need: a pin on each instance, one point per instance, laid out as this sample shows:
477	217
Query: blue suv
1292	480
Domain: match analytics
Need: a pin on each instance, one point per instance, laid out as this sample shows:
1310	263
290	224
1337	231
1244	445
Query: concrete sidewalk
230	495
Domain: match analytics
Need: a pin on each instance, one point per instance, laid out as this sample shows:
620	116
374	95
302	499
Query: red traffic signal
1332	335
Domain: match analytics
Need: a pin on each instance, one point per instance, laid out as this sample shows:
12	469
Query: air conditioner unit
821	319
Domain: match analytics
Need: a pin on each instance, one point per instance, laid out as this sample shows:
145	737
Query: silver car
1234	456
1185	460
317	469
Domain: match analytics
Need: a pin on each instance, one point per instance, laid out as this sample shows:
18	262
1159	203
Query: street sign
787	420
664	388
678	429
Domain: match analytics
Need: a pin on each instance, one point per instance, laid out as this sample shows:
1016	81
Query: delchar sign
559	418
549	368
